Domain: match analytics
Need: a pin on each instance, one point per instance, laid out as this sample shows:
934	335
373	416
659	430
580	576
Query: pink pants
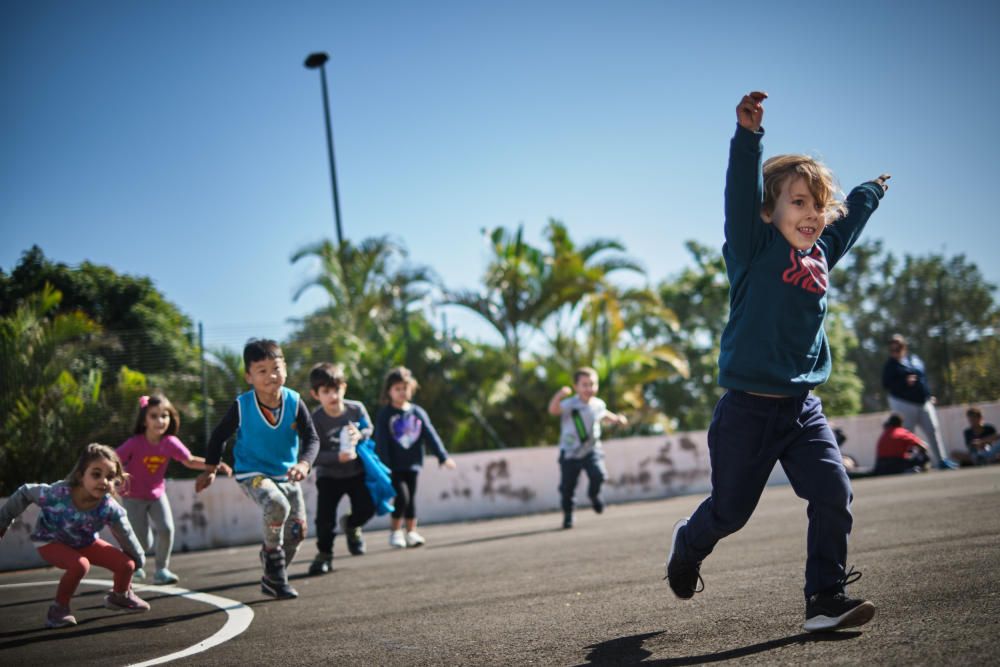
77	562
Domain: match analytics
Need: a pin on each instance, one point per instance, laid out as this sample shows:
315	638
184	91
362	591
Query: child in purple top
146	456
72	513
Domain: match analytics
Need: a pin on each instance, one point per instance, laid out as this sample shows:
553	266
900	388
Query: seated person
899	450
981	440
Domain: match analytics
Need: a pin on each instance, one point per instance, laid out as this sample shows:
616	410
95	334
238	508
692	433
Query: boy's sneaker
414	539
139	574
279	590
59	617
836	611
165	577
598	503
567	521
947	464
127	601
397	540
833	610
355	539
683	576
322	564
275	579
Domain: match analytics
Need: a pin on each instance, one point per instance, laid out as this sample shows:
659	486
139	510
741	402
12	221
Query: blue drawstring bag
377	477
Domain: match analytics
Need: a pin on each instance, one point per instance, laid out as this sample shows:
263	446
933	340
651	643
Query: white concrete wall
487	484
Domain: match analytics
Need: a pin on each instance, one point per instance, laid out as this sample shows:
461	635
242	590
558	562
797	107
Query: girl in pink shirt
146	456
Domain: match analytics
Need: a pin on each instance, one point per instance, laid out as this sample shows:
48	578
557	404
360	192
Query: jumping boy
269	421
340	424
783	235
580	439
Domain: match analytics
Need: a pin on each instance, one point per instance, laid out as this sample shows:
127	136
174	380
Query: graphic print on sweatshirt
405	428
807	271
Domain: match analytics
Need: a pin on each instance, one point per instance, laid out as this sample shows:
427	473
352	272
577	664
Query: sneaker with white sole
833	610
59	617
127	601
397	540
683	576
139	575
414	539
164	577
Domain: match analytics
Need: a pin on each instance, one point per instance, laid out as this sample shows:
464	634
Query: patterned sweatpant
284	510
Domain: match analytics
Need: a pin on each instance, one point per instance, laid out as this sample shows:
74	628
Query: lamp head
316	60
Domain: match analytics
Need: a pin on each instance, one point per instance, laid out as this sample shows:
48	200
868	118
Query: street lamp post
318	61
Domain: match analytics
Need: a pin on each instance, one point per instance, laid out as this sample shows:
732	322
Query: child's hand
750	111
298	472
344	457
449	463
225	469
565	391
355	434
622	420
881	181
204	481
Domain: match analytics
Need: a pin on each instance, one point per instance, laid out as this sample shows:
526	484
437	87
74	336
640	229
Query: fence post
204	381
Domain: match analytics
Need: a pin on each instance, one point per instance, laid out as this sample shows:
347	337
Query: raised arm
555	403
841	235
744	180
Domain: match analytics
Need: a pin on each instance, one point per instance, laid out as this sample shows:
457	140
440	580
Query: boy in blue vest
269	421
784	232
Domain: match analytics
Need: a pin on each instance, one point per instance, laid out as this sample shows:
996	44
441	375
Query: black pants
330	491
405	483
570	469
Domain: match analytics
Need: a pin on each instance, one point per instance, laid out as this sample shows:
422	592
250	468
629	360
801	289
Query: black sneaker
355	539
280	590
833	610
567	520
683	576
322	564
275	579
598	503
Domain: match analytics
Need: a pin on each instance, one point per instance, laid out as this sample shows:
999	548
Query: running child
341	424
72	513
784	233
402	431
275	447
581	416
145	457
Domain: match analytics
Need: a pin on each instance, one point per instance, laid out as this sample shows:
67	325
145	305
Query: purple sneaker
59	617
127	601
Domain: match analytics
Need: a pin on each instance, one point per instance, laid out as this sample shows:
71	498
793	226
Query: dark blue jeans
593	464
748	435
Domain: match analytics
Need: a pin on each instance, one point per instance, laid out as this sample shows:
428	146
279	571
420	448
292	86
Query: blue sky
184	140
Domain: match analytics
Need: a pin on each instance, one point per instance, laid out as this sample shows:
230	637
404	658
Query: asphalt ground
523	591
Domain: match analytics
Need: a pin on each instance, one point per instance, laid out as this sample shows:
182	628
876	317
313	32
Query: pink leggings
77	562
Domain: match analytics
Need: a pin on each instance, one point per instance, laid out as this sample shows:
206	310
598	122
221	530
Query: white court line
238	615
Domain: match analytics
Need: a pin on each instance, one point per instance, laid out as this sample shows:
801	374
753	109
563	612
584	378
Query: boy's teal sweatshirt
774	342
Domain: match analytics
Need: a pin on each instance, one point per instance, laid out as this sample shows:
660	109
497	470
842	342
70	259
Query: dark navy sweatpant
748	435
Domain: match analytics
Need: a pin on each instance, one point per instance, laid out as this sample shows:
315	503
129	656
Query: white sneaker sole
673	540
852	618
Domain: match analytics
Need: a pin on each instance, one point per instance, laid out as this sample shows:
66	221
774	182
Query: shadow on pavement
494	538
46	634
630	650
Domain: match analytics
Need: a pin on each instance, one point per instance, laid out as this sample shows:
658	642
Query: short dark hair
584	370
894	421
326	374
259	349
973	412
399	374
